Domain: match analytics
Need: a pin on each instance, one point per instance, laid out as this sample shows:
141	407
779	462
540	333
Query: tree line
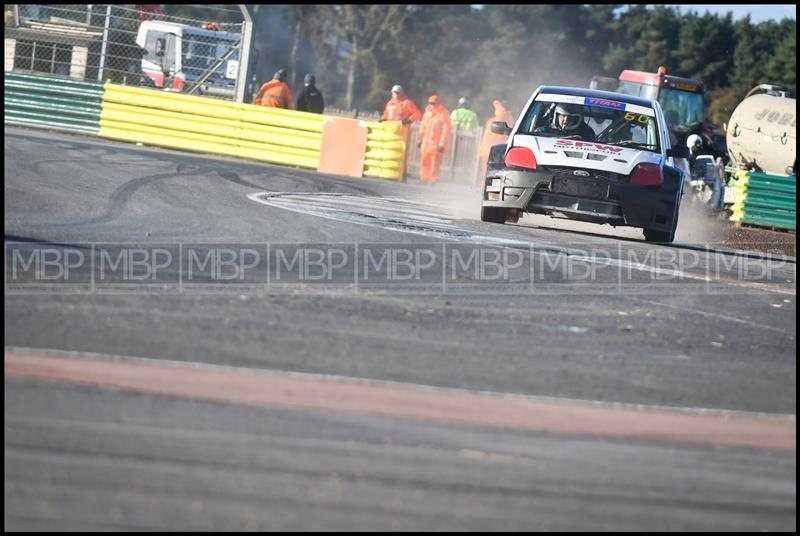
357	52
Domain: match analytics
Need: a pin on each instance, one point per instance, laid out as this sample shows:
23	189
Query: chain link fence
131	44
460	163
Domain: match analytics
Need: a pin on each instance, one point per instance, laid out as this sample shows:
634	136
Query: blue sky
758	12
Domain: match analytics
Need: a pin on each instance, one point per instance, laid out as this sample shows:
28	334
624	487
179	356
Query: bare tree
350	35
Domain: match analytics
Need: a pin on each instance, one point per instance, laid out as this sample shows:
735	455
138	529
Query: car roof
597	94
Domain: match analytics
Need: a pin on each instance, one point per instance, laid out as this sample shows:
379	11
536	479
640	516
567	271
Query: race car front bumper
594	200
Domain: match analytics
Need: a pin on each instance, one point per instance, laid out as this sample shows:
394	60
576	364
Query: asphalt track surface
601	384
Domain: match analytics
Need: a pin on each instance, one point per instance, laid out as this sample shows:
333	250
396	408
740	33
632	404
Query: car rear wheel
493	214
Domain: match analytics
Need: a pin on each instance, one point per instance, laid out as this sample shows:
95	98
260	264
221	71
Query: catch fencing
128	44
460	162
186	122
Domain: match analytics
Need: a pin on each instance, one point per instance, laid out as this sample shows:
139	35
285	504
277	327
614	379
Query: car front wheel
665	237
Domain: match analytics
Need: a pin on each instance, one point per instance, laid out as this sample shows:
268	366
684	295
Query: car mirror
679	151
500	127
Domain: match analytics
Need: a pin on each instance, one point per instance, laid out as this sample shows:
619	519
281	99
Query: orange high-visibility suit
275	94
433	138
401	108
501	113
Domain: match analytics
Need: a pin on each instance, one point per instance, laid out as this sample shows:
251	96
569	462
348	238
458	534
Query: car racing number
639	118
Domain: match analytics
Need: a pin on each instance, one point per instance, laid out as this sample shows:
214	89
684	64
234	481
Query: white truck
188	59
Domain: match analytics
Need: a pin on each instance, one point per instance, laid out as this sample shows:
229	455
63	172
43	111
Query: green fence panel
770	221
53	103
771	187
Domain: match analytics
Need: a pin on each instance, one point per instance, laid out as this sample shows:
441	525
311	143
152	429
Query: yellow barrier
386	149
210	126
739	196
219	127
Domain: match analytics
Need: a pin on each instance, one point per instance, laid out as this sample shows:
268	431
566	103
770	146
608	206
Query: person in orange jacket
501	113
401	108
275	93
433	138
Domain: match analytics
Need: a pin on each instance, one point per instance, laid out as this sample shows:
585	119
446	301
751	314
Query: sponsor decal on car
603	103
591	101
588	146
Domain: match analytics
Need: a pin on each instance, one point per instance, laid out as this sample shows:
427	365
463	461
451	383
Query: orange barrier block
344	143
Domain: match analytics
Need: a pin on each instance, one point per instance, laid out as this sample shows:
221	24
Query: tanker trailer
762	139
762	132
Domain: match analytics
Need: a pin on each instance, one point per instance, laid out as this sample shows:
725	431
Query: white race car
587	155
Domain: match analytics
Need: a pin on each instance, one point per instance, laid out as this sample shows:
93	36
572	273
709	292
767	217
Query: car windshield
595	120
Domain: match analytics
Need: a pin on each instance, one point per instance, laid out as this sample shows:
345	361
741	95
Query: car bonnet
584	154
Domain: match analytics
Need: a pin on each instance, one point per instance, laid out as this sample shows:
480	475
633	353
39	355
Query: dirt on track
699	224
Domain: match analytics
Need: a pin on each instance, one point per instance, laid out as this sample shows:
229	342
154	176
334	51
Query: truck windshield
638	90
201	52
682	110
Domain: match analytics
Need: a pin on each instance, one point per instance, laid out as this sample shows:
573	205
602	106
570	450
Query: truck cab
179	57
681	99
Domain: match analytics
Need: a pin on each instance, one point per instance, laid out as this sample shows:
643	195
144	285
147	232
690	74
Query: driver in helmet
568	122
695	145
708	173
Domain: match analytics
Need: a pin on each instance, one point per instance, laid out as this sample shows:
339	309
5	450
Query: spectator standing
310	98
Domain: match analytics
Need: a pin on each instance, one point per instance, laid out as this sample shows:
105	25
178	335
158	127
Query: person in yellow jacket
433	138
462	117
275	93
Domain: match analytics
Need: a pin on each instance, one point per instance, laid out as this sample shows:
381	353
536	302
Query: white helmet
694	142
573	113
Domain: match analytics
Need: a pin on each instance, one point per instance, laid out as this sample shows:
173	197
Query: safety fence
460	162
56	103
186	122
764	200
130	44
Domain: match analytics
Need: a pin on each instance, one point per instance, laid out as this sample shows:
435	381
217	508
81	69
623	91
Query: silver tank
762	133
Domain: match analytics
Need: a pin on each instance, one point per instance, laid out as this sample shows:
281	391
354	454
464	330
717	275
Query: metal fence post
246	44
101	69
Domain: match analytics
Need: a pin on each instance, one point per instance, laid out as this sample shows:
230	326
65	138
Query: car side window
533	118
